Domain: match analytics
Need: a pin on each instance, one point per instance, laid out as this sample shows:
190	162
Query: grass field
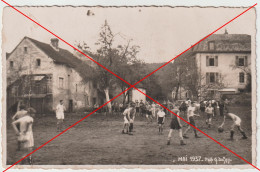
98	140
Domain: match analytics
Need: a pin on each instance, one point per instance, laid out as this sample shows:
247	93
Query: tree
117	59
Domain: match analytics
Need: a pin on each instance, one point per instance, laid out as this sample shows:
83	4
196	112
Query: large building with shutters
223	62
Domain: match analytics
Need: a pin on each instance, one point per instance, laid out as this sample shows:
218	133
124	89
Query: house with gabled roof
42	74
222	63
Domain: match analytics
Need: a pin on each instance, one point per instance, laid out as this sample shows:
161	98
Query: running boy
175	125
191	120
236	123
160	119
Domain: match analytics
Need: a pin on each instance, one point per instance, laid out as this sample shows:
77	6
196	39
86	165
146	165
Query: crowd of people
186	110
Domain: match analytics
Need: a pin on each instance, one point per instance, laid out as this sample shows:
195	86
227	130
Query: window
211	45
241	60
38	62
212	77
241	77
211	60
11	64
61	82
25	49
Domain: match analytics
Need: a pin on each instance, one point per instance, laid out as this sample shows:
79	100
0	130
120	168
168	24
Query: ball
220	129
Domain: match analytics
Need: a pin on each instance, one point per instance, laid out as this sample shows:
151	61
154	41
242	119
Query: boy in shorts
160	119
210	111
191	120
236	123
175	125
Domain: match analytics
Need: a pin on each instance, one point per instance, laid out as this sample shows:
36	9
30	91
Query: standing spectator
183	108
137	105
142	107
153	110
202	107
60	108
221	108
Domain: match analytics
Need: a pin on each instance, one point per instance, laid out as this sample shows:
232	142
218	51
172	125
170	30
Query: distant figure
221	108
25	134
60	108
210	112
183	108
142	107
160	119
137	105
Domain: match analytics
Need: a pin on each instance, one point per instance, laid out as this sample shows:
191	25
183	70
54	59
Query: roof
226	43
65	57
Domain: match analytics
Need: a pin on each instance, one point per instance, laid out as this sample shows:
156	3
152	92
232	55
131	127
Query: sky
161	32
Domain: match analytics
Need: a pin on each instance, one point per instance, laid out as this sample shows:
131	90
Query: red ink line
125	82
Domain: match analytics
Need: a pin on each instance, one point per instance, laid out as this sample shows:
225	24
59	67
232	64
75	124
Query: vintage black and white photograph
129	86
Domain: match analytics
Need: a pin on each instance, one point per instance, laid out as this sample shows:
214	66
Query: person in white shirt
236	123
25	134
160	119
60	108
209	111
191	120
129	116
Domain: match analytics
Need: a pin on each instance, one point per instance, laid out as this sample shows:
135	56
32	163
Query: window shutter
246	63
207	78
217	79
236	60
216	60
207	60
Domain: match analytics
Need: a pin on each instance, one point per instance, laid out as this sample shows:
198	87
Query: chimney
226	32
55	43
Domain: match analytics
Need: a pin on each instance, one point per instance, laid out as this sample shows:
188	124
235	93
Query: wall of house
76	94
26	62
229	76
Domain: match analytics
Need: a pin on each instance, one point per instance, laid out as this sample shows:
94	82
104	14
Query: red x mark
131	86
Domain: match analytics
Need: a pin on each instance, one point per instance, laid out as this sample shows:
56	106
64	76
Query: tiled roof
65	57
226	43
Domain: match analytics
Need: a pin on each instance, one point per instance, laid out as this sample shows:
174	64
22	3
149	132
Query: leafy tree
119	60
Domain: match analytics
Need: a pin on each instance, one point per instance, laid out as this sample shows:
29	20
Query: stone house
43	74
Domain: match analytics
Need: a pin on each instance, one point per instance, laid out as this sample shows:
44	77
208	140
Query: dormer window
25	50
211	45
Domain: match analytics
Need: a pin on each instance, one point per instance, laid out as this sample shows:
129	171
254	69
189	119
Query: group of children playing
190	111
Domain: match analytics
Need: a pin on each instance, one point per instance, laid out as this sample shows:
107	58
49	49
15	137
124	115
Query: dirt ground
98	140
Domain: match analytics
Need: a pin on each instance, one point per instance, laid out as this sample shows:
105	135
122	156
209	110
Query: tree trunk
177	90
106	90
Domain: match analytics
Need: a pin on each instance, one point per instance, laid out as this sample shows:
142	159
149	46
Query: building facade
43	74
224	64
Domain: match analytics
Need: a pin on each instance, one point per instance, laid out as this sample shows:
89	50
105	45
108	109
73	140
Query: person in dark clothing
221	108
